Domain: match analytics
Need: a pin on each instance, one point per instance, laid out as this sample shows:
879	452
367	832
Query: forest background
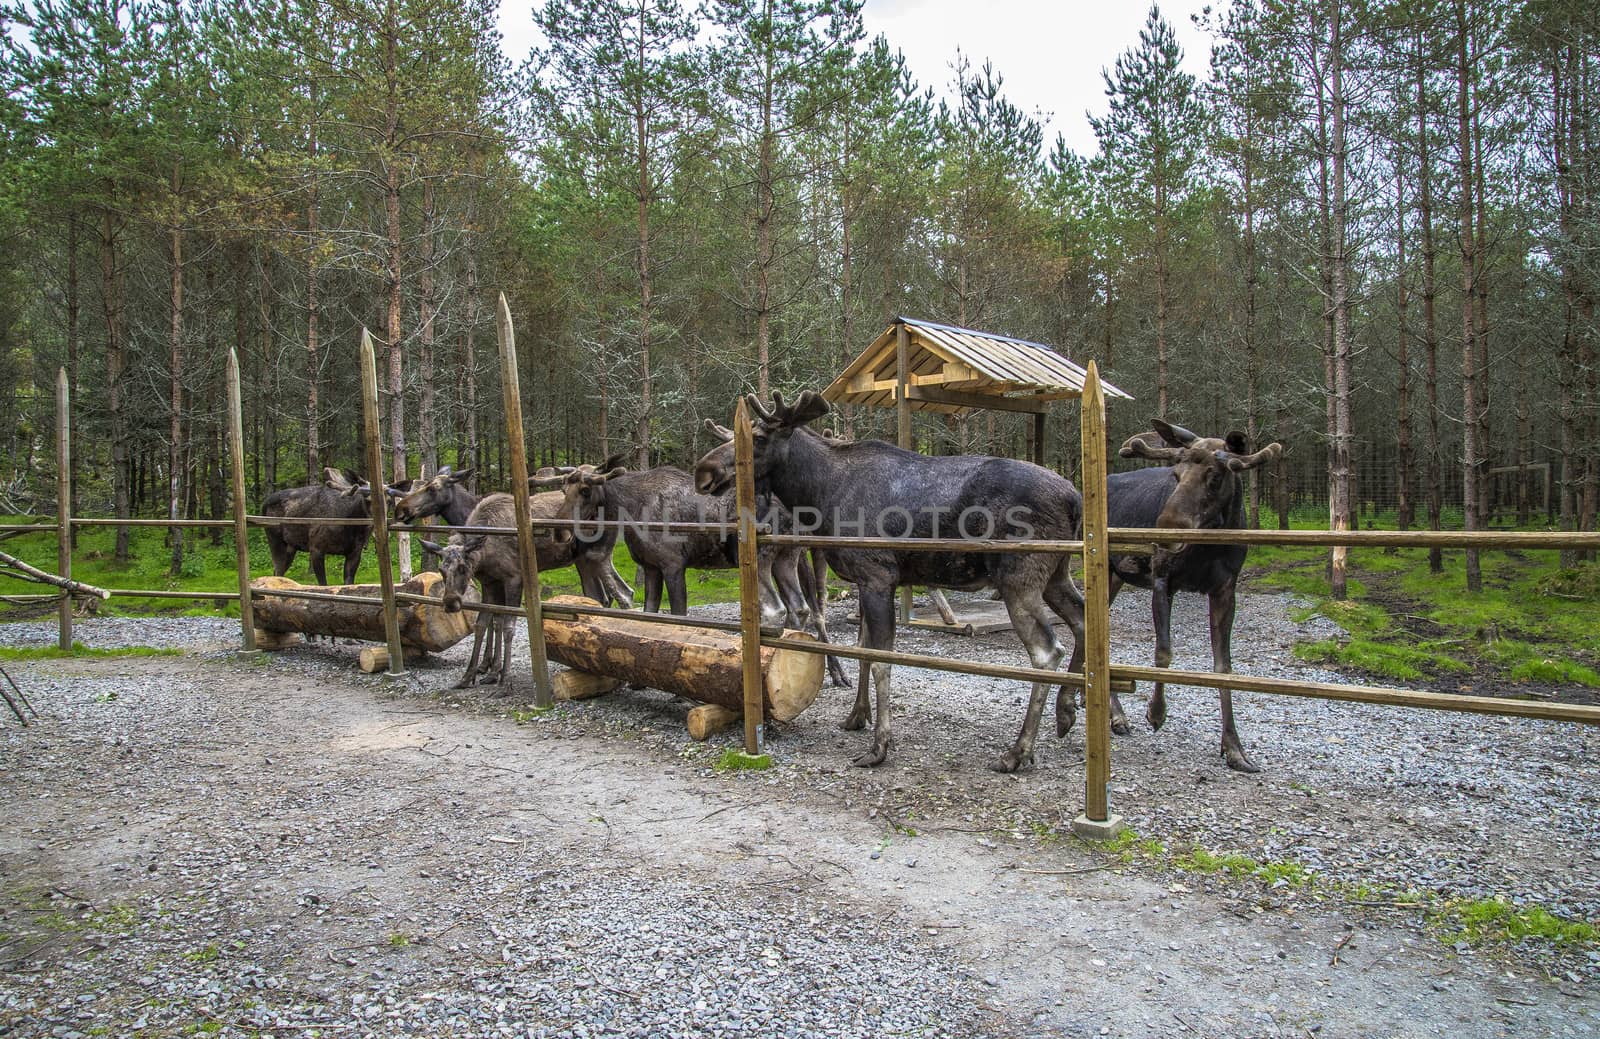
1369	233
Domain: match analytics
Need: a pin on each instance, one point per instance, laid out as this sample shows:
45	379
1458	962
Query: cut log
709	719
376	658
698	663
276	640
422	627
582	685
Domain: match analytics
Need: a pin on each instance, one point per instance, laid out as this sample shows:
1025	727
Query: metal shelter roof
955	369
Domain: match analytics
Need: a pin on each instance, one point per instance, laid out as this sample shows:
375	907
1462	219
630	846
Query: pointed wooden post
1096	820
241	526
380	504
511	384
64	503
744	491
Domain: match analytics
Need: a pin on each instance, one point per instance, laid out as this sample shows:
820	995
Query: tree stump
422	627
699	663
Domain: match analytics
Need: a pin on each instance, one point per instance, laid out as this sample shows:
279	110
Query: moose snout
452	602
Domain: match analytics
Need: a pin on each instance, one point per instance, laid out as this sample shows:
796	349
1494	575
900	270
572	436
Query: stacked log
422	626
698	663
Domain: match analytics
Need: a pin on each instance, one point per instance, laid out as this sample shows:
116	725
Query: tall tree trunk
1251	278
1480	318
469	359
764	207
175	362
121	457
1403	476
313	314
1161	298
1343	433
1430	334
1469	270
646	303
72	368
427	435
267	407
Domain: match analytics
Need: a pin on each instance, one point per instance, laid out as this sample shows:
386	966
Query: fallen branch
31	573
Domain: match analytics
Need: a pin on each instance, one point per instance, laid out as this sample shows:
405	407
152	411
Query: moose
444	495
788	566
901	493
665	494
493	561
342	495
1197	488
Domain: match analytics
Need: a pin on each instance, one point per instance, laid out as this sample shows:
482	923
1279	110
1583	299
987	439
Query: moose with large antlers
1198	488
872	487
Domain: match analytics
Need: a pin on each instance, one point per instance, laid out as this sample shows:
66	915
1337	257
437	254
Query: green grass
736	760
80	650
1532	622
1493	919
210	568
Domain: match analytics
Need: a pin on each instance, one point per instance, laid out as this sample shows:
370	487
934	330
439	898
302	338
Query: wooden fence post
241	527
511	385
1096	820
744	491
64	503
380	504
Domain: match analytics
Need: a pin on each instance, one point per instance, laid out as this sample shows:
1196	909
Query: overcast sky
1050	52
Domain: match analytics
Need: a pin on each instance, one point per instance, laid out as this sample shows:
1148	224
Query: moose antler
722	433
1175	436
1239	463
1149	445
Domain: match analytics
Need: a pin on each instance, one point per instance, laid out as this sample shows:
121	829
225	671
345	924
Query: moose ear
473	543
335	478
1176	436
432	546
1237	442
395	490
461	477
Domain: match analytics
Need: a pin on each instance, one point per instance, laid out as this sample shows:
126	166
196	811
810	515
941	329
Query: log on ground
698	663
422	626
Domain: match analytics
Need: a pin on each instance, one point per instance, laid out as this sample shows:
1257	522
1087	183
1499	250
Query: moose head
432	497
1206	471
458	561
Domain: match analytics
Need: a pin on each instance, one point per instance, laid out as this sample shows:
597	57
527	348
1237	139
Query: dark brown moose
342	495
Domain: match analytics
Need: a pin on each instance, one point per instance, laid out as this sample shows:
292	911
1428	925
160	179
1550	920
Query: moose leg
652	589
352	563
318	566
1222	609
861	712
1161	615
677	592
1045	651
1119	719
479	627
877	625
1067	602
282	554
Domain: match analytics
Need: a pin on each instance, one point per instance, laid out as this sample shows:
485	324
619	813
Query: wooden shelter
916	365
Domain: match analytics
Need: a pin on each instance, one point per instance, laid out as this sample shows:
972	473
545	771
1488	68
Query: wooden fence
1097	545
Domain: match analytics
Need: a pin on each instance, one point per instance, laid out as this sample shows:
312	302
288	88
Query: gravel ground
203	844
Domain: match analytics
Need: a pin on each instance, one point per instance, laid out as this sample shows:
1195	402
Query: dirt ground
209	844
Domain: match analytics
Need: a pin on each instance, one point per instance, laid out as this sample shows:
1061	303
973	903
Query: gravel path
203	844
